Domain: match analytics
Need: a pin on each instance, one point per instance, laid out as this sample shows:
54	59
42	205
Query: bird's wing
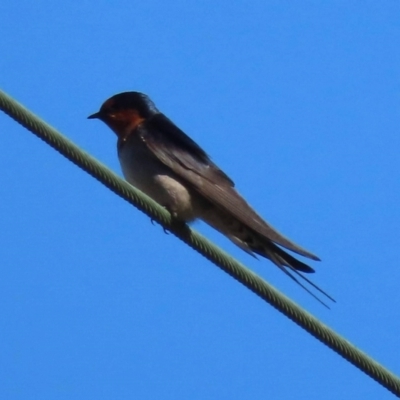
189	161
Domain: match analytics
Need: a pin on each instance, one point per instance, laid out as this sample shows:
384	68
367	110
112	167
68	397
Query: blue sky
296	101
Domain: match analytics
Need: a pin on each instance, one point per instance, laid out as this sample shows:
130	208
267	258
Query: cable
200	244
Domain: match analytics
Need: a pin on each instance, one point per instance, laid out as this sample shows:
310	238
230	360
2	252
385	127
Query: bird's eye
111	112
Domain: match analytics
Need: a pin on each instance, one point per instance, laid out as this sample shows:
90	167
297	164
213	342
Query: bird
162	161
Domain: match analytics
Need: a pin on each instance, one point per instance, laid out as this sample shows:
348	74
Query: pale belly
157	181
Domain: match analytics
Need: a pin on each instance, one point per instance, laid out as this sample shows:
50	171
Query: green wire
199	243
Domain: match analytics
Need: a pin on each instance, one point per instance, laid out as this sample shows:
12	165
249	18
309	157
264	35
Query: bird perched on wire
162	161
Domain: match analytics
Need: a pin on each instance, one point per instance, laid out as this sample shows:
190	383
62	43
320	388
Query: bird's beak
95	116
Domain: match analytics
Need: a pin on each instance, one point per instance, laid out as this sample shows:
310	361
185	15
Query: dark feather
189	161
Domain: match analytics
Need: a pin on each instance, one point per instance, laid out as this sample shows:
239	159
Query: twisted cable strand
199	243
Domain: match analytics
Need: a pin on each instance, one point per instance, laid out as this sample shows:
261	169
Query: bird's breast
147	173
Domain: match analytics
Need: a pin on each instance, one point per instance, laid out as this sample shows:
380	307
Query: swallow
162	161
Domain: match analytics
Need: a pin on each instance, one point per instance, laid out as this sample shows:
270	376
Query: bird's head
124	111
